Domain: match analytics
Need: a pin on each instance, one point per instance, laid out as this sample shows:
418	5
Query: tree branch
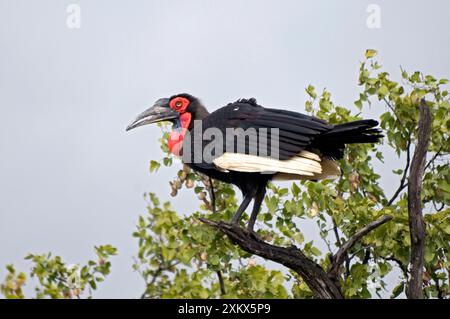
416	221
312	273
342	253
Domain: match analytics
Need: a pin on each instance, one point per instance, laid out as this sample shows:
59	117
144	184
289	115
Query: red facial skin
175	142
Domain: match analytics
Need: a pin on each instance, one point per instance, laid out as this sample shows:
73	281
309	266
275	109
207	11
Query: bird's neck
185	123
180	129
200	112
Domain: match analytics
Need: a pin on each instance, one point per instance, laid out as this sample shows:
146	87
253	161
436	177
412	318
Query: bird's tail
332	143
362	131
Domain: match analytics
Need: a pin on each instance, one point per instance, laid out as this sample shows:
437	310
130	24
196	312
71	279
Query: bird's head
179	109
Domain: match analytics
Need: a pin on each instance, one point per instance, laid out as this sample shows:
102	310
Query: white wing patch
330	170
305	165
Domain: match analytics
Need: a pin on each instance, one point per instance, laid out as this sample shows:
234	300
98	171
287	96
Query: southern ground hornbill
301	146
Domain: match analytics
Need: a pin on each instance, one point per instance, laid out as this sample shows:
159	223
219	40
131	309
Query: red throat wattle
175	142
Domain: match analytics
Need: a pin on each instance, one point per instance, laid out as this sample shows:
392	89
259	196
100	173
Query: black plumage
296	133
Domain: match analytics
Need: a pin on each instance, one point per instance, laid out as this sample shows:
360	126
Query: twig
439	290
221	282
402	181
367	254
212	194
416	222
433	159
342	253
336	233
391	108
400	264
339	244
440	208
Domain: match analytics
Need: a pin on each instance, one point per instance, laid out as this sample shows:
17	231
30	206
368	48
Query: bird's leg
256	207
241	209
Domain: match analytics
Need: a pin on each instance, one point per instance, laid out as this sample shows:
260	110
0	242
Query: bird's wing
294	133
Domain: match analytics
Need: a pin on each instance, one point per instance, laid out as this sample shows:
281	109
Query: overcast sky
71	178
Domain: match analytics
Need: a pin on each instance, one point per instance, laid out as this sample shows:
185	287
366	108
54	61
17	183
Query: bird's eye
179	104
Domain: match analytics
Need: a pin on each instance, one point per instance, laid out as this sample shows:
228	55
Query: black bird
301	146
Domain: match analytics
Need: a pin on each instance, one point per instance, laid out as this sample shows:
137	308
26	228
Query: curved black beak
157	113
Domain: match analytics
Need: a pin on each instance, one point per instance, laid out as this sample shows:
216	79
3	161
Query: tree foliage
180	257
56	279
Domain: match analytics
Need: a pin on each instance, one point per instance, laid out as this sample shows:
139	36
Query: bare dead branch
416	221
312	273
341	255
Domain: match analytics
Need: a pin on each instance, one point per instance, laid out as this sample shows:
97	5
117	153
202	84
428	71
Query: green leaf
370	53
315	251
154	165
311	91
383	91
295	189
272	204
398	290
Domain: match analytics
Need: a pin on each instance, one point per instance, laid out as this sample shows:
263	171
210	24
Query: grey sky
71	178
